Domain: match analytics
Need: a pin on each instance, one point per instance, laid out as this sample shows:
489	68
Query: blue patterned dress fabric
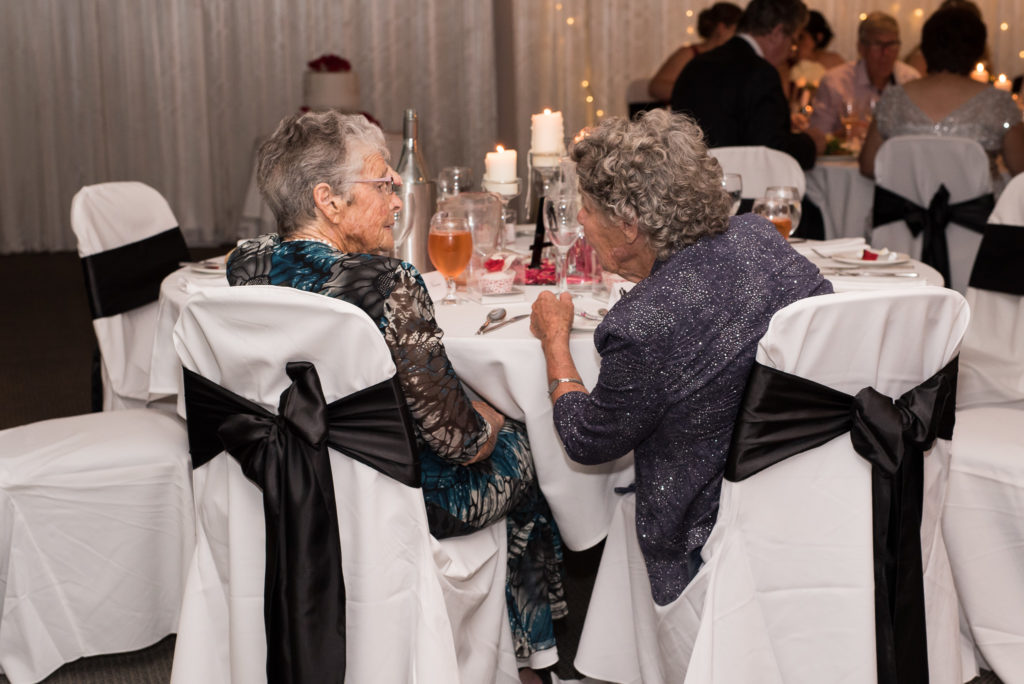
460	498
676	351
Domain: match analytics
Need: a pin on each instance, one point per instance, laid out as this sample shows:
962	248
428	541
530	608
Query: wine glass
791	195
775	210
733	184
450	245
453	180
563	230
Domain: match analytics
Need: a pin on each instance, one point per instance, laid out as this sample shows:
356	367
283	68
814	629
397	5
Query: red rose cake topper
330	63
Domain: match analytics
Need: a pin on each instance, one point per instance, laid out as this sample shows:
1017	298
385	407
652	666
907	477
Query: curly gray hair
309	149
656	172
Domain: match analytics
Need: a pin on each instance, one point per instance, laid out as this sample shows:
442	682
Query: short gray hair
656	172
875	23
308	149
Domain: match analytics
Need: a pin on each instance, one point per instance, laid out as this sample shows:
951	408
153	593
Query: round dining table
506	368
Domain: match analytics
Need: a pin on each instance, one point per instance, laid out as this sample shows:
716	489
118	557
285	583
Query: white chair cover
983	522
914	166
786	593
96	533
761	168
992	359
398	629
105	217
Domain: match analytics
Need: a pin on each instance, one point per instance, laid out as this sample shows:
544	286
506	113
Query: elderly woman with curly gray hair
676	350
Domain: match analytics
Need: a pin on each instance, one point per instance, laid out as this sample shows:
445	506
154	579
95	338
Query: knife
502	324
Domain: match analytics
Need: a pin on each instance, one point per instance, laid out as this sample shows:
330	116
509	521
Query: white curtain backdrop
175	93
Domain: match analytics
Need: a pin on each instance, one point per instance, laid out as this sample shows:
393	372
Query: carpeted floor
45	355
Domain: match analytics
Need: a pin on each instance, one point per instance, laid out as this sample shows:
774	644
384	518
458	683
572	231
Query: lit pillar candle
547	133
1003	83
500	165
979	74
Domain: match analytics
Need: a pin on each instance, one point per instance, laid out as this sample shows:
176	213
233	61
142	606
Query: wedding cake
330	83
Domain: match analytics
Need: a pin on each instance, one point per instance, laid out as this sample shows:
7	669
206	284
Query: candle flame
1002	78
547	111
499	148
980	68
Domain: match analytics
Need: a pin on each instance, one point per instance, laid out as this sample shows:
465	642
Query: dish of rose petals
871	257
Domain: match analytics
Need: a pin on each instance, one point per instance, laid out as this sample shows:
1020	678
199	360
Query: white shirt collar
753	43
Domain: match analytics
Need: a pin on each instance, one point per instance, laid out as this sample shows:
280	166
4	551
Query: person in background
947	101
326	177
735	91
676	350
859	84
715	24
812	59
915	57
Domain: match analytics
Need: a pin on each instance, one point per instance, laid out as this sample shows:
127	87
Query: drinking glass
775	210
733	184
450	245
563	230
791	195
453	180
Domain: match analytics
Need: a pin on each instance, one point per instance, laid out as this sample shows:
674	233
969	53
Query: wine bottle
418	192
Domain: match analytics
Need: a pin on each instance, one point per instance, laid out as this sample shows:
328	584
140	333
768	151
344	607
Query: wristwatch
558	381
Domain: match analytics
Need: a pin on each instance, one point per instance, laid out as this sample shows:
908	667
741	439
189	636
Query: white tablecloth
506	368
844	196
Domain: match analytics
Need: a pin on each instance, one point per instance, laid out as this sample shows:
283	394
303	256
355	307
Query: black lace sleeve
447	421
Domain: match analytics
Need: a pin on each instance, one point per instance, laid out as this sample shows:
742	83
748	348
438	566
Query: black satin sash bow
286	456
783	415
932	221
129	276
1000	256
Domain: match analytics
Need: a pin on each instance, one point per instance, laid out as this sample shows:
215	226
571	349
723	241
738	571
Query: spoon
493	316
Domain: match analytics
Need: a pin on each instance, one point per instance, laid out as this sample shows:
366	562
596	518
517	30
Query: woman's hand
496	421
552	317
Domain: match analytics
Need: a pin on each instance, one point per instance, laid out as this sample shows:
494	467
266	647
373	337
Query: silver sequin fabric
675	355
985	118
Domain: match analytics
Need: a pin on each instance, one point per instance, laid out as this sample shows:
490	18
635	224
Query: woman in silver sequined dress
947	101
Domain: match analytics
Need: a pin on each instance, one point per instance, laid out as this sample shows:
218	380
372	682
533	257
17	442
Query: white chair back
786	593
992	360
106	217
761	168
397	624
914	166
96	535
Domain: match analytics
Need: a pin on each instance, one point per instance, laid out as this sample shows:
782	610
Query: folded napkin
830	247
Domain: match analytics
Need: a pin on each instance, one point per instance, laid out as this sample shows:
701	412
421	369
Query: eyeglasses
387	184
886	46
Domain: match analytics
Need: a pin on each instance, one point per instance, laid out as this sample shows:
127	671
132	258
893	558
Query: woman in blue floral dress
327	180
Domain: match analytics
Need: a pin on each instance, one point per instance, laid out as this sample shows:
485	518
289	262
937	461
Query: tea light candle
500	165
1003	83
547	132
979	74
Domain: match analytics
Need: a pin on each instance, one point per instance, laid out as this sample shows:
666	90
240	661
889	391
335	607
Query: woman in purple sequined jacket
677	348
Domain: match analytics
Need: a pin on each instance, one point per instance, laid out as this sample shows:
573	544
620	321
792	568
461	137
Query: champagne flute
563	230
450	246
733	184
775	210
791	195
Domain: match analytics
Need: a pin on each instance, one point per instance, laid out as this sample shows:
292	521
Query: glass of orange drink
776	210
450	246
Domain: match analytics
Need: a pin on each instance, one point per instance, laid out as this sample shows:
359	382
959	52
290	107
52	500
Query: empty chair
933	196
400	585
984	515
794	578
128	240
761	168
96	532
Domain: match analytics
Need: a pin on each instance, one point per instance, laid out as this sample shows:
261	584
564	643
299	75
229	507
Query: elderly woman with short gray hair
326	177
677	348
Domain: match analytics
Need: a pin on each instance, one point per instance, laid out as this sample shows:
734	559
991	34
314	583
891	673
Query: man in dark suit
735	92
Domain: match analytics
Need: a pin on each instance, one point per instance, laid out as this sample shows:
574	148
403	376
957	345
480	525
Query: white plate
854	257
216	266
